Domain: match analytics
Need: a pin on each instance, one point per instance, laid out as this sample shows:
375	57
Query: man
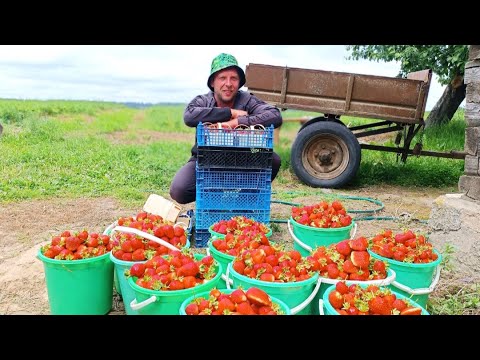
226	104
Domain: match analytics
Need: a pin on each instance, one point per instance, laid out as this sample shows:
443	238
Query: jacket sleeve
259	112
201	109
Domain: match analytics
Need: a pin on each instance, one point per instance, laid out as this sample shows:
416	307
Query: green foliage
447	61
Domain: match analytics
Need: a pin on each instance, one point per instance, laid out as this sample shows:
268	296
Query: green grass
46	157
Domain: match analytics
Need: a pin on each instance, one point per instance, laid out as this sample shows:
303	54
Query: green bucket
153	302
79	287
124	289
328	309
416	281
222	236
223	259
307	238
297	295
326	283
117	275
283	307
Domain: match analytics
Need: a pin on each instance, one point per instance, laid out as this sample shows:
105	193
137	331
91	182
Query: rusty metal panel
338	93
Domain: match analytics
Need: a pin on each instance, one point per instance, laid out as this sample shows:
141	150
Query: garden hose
347	197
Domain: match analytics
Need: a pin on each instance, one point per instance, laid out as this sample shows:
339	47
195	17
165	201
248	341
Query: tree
446	61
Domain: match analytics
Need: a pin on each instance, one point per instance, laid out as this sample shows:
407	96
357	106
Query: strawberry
238	296
344	248
258	296
411	311
359	244
360	259
336	299
379	306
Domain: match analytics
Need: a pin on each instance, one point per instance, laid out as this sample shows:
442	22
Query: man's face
225	85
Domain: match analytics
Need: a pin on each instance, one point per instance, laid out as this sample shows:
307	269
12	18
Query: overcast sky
155	73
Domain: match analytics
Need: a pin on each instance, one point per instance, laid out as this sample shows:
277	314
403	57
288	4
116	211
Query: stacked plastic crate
233	176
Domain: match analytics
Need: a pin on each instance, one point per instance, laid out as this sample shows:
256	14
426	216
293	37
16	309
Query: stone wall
469	183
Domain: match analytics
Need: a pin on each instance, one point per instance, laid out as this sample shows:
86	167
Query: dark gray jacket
203	108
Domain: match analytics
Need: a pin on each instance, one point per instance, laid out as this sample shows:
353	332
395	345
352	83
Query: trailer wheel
326	154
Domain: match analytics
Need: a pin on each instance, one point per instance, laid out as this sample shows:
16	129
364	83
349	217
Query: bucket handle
227	279
137	306
109	228
309	248
307	301
320	307
144	235
420	291
354	232
302	244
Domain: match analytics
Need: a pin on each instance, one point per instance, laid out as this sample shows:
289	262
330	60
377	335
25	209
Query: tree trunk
448	104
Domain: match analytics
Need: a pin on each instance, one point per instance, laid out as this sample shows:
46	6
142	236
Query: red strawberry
336	299
343	247
359	244
238	296
379	306
258	296
360	259
411	311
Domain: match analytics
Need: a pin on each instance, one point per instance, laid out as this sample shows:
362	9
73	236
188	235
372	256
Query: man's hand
237	113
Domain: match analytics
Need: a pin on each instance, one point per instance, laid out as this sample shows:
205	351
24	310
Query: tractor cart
326	152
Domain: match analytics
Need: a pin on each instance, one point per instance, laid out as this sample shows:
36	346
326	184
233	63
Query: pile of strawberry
131	247
254	301
404	247
76	245
271	263
370	300
240	225
176	271
348	260
322	215
234	244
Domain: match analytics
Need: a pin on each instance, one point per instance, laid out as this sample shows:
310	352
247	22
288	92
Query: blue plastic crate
234	179
246	138
201	238
233	199
234	158
206	218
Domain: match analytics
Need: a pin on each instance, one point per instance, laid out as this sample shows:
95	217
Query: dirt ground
25	226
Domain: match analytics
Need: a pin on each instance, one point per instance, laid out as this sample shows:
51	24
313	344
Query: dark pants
183	187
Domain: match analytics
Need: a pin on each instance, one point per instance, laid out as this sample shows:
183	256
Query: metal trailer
326	152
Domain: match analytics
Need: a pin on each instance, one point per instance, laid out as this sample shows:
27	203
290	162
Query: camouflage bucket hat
224	61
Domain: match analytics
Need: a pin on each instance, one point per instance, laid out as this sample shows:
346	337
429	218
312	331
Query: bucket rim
408	265
270	284
397	294
390	273
176	292
343	228
219	253
205	294
222	236
222	254
45	259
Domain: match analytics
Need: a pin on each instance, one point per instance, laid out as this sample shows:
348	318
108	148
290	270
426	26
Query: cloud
155	73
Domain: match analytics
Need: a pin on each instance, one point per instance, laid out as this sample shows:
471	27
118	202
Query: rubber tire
336	133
